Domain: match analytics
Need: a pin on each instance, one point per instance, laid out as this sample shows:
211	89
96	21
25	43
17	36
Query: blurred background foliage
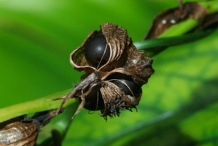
179	104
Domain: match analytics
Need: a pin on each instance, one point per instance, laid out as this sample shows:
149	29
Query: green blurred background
36	38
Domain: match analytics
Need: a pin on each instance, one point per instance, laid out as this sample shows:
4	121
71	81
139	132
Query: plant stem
153	46
42	104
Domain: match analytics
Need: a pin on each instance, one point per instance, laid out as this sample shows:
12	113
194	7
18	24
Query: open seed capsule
114	71
102	50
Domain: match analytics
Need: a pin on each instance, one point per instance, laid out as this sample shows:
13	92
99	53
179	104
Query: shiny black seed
128	87
97	51
126	83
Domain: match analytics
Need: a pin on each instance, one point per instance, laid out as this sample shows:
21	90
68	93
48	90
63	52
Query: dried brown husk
22	133
137	65
115	100
117	40
169	17
124	59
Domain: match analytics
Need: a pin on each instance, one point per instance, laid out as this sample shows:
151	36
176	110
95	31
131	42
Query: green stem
42	104
153	46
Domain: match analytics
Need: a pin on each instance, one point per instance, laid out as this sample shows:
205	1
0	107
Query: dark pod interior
93	101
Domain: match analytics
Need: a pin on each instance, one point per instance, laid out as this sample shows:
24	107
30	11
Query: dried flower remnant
23	130
19	134
114	71
173	16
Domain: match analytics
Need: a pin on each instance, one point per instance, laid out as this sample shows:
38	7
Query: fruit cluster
114	71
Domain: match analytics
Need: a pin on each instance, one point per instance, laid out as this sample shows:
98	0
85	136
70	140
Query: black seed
120	76
126	83
95	52
94	101
128	87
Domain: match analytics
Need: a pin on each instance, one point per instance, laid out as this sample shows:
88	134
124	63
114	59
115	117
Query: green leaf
155	46
34	106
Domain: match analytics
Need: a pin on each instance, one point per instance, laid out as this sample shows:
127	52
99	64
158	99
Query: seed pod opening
97	52
126	83
102	50
114	71
116	100
128	87
94	100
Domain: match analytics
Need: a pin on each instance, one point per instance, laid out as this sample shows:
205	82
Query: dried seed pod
19	134
116	41
113	75
111	96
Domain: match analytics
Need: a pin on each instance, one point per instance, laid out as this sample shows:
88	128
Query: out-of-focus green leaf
36	38
155	46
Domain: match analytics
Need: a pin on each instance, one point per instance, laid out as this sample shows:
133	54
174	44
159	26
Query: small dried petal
118	41
115	100
77	57
139	67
